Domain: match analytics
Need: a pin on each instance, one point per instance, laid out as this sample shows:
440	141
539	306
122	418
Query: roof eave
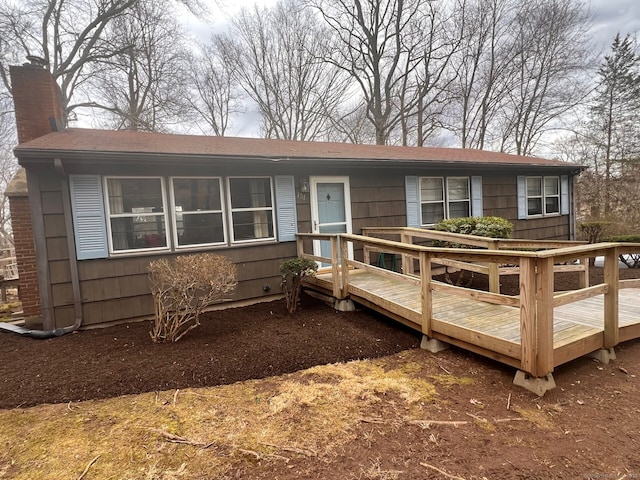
45	155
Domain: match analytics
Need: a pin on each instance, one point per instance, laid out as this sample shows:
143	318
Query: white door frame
315	224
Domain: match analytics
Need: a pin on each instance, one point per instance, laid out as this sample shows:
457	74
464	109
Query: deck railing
536	300
493	270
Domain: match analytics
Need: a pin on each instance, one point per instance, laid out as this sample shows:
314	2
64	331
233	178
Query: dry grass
183	434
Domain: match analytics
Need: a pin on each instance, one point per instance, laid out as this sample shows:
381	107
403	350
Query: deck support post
527	315
611	279
433	345
344	267
336	279
537	385
603	355
494	271
425	292
544	316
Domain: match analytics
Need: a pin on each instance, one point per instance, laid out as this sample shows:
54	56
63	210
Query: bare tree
552	57
68	35
380	51
436	38
276	55
8	168
141	86
216	96
483	67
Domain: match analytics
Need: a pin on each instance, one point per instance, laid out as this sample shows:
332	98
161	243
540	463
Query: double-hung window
137	213
251	205
543	196
198	212
444	197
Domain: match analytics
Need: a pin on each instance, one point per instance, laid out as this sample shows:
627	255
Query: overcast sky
615	16
610	17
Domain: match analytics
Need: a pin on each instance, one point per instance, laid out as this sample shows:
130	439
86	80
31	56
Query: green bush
492	227
623	239
293	271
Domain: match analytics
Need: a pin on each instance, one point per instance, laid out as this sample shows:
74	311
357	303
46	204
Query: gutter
73	266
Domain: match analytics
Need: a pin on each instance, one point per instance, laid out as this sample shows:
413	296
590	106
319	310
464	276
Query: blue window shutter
413	201
87	204
286	208
477	209
522	197
564	195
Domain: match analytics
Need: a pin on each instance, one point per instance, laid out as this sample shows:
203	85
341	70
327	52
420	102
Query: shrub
183	287
492	227
631	260
592	231
293	271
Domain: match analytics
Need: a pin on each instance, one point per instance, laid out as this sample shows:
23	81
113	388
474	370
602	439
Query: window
251	209
198	212
136	211
442	198
543	196
138	216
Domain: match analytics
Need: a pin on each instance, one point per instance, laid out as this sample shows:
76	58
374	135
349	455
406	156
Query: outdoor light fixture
304	185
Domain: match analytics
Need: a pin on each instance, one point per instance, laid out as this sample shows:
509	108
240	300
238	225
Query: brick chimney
38	110
37	100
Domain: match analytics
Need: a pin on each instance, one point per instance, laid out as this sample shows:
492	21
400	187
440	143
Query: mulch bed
231	345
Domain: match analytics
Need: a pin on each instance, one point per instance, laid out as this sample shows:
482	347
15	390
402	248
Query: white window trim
445	200
174	214
543	197
109	216
231	210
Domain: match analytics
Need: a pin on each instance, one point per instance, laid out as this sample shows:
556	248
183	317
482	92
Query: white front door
330	210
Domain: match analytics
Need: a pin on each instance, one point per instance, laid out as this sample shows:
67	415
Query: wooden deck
534	332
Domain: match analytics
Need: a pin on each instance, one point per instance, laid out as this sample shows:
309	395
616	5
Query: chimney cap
37	61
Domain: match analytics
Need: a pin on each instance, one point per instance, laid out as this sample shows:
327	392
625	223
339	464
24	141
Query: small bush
183	287
293	271
593	231
492	227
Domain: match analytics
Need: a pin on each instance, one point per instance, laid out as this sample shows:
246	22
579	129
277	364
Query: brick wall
38	111
37	100
25	255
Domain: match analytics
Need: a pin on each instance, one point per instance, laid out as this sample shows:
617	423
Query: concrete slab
537	385
603	355
433	345
345	305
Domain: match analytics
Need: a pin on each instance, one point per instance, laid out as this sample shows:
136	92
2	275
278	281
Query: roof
90	143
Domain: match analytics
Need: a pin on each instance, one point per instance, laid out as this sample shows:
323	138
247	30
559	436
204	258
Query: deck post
299	245
344	266
611	279
544	316
407	260
528	315
494	271
426	296
335	268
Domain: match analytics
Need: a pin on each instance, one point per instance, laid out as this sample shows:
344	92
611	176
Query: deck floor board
486	323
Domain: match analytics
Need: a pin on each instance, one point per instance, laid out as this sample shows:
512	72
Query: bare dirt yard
256	393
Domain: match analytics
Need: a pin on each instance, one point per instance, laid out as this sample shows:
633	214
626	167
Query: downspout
73	266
